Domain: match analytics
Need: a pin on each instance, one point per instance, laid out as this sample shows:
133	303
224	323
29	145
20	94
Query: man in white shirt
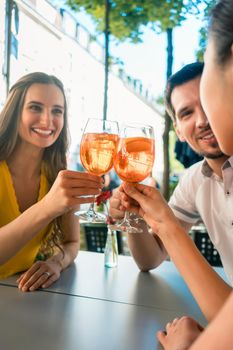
206	189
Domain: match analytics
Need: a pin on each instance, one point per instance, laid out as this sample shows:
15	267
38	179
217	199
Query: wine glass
134	160
97	150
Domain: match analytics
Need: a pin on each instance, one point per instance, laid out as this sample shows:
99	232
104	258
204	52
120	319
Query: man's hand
115	209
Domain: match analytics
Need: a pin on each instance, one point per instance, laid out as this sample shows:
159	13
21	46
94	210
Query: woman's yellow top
9	210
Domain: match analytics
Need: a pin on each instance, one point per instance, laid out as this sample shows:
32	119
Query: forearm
147	251
218	335
17	233
71	244
208	288
66	257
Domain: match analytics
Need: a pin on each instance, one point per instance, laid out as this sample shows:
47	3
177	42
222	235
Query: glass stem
91	207
127	217
125	225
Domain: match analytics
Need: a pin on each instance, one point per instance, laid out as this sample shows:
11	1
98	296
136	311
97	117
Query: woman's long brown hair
54	157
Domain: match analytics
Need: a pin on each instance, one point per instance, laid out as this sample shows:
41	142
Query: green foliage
168	14
160	100
128	18
202	44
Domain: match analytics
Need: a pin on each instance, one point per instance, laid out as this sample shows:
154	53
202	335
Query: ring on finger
47	273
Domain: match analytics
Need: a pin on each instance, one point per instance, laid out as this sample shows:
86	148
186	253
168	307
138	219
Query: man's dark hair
187	73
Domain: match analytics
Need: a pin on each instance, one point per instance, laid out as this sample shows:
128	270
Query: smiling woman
42	115
38	196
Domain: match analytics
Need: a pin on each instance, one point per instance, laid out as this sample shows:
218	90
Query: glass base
126	227
91	216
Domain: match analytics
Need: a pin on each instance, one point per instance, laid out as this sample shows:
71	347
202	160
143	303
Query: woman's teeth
43	132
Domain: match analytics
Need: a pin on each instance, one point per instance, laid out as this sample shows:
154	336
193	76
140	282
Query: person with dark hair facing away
39	232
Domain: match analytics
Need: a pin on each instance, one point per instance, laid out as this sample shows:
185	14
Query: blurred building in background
44	38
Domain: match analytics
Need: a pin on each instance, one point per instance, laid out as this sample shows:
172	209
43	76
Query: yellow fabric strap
9	210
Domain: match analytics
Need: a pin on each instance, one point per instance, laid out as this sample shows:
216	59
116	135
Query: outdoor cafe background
57	44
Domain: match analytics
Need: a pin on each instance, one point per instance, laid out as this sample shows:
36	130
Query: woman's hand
69	191
41	275
147	202
180	334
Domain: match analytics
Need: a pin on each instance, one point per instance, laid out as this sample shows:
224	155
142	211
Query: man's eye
186	114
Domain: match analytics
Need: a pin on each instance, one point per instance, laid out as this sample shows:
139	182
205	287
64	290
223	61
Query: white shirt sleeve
182	202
